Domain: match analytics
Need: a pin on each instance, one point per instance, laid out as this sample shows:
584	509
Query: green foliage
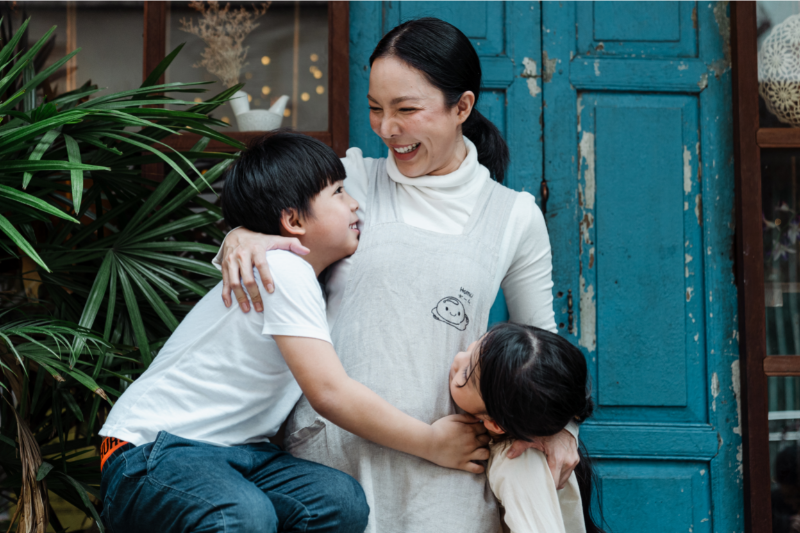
116	253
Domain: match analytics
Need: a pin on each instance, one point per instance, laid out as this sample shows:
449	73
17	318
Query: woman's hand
457	441
242	250
561	450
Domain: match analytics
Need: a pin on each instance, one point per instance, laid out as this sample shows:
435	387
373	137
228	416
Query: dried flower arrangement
224	31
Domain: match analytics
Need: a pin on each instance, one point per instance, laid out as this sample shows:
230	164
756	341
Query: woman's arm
452	442
242	250
528	289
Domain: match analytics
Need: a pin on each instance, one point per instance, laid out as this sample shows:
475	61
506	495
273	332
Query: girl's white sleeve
526	489
356	168
528	280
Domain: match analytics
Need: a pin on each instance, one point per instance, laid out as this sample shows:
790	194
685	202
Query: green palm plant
116	257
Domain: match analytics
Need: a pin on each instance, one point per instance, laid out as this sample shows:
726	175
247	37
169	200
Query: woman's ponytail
449	61
492	148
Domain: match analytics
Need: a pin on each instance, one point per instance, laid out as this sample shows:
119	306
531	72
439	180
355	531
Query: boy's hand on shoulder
456	441
242	250
560	449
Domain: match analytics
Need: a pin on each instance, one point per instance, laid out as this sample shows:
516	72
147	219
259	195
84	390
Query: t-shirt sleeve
296	308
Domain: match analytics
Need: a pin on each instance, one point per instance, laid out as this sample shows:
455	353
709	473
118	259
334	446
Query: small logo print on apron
451	311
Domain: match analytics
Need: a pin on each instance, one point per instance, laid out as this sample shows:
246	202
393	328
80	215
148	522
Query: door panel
630	156
637	29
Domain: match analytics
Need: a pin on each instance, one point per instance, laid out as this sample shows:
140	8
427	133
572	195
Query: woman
439	238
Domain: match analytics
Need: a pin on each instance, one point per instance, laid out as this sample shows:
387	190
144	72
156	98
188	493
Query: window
766	97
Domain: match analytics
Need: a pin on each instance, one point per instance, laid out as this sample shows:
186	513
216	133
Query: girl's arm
526	489
452	442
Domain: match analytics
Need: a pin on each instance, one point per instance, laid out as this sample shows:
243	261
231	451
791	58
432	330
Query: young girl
525	382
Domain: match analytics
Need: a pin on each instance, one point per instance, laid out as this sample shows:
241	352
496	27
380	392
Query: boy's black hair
533	382
278	171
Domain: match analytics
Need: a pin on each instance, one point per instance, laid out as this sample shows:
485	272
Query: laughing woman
440	236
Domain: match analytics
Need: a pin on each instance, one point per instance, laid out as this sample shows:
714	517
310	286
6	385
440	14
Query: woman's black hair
278	171
450	63
533	382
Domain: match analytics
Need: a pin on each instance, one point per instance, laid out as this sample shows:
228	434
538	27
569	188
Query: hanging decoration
779	71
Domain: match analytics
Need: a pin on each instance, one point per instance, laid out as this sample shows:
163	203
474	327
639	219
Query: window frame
756	364
337	136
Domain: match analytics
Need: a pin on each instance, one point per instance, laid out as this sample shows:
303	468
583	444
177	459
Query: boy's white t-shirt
221	378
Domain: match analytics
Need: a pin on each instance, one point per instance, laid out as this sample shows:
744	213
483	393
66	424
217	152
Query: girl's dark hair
278	171
449	61
533	383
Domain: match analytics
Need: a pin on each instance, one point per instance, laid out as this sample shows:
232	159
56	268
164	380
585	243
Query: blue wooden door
637	144
623	110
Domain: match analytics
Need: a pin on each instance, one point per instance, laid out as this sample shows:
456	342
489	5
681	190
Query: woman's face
410	116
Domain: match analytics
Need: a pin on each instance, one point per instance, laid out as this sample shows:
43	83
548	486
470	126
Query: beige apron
414	299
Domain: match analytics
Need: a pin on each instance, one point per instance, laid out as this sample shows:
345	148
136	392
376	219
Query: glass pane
109	35
784	454
781	223
283	52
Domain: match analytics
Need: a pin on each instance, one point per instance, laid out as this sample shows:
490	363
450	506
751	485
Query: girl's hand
242	250
561	450
457	441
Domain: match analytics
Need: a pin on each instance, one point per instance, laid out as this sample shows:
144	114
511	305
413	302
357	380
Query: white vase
257	119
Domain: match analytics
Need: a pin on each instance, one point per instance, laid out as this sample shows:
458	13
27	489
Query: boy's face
331	230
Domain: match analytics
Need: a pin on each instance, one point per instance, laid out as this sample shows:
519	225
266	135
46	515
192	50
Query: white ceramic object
779	71
257	119
239	103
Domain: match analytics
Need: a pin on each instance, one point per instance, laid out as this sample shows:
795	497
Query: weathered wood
750	270
673	75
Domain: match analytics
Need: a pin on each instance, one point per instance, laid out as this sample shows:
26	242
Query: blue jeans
179	485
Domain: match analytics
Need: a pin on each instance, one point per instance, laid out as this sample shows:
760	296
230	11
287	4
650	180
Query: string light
312	69
320	89
248	75
265	90
249	98
198	100
305	97
287	112
226	120
265	60
314	57
318	74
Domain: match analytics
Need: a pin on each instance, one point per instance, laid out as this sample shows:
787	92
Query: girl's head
522	381
423	87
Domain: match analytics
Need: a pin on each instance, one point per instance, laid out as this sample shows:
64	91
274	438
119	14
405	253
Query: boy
187	443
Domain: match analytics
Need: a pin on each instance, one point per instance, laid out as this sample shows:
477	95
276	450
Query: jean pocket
309	441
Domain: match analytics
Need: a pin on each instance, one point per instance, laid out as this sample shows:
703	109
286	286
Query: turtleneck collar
469	172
